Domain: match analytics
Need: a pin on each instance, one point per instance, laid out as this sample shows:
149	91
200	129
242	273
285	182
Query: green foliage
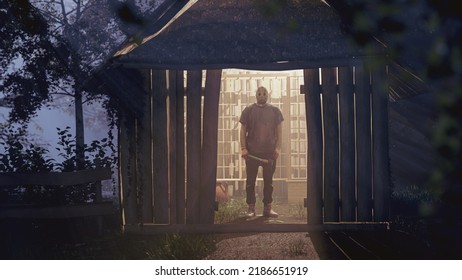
26	40
411	194
27	158
98	153
37	61
73	240
271	8
18	156
412	201
230	211
183	247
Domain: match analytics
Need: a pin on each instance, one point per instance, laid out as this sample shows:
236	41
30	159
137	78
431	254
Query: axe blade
267	161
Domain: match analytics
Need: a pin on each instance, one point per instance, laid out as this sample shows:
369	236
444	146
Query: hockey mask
262	96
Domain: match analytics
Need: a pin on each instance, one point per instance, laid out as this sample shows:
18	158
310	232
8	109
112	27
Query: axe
267	161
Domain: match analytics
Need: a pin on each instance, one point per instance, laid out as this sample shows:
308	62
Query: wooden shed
167	185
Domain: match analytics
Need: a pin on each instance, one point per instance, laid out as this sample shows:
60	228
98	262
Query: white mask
261	95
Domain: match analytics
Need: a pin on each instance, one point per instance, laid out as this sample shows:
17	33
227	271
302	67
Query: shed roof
204	34
253	34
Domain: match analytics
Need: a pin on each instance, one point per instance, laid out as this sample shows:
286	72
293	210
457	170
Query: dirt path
267	246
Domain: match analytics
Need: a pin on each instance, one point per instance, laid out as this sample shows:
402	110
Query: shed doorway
238	89
345	134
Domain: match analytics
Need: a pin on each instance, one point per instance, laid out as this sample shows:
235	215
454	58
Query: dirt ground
267	246
395	244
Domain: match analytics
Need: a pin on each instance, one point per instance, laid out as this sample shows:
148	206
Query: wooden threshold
242	228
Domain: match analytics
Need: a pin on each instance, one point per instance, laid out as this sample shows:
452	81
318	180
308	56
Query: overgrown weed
297	248
297	210
176	246
230	211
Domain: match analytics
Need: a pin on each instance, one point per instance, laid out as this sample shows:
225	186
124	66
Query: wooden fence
152	154
348	163
97	208
347	123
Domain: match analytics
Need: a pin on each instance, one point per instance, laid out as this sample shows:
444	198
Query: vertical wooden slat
331	148
128	194
180	161
160	147
172	145
210	146
380	144
347	144
144	151
193	149
315	145
363	144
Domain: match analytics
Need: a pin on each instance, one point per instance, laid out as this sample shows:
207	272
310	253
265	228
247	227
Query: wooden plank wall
314	147
193	148
159	157
381	178
144	152
347	144
176	137
348	164
164	181
209	146
331	145
363	144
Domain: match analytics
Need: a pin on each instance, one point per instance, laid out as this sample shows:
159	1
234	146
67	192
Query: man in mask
260	138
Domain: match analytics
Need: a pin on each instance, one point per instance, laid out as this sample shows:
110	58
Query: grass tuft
230	211
297	210
297	248
177	246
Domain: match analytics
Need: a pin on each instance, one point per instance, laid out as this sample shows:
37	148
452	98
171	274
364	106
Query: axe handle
267	161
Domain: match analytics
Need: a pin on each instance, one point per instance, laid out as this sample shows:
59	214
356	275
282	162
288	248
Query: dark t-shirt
261	124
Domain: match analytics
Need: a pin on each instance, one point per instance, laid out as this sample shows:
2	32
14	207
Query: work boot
268	212
251	211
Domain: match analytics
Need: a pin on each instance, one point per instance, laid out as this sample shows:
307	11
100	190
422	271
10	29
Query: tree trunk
79	132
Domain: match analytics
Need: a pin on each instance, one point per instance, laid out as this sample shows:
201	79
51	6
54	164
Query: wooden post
315	146
210	146
145	149
180	150
160	147
172	145
363	144
347	145
127	175
193	140
331	145
380	144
